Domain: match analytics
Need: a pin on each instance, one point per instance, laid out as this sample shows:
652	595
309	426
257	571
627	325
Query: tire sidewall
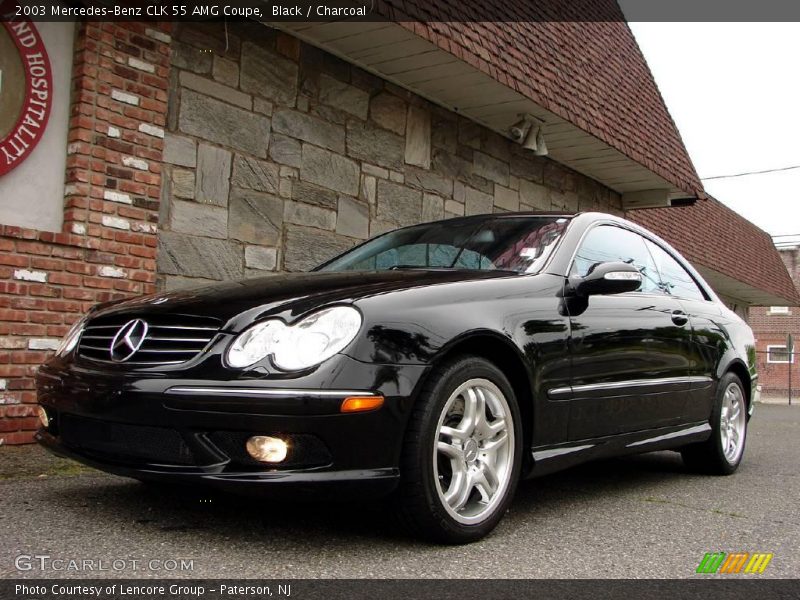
450	377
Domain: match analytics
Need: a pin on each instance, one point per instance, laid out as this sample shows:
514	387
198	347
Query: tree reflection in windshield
518	243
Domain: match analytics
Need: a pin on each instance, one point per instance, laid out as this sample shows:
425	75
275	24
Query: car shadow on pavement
176	509
617	475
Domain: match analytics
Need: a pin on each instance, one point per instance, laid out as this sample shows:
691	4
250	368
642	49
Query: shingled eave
736	257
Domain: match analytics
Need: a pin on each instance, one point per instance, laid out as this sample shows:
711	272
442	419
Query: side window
674	278
607	243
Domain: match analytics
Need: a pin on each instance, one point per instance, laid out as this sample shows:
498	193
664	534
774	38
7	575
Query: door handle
679	317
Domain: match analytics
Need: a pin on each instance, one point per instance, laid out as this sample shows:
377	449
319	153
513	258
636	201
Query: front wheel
462	453
723	451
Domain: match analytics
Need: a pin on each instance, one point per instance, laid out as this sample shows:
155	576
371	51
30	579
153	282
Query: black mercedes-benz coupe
437	364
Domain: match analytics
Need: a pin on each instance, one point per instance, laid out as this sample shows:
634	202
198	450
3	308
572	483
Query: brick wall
772	329
279	155
107	247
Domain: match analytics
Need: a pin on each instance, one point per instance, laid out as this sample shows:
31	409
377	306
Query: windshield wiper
398	267
443	268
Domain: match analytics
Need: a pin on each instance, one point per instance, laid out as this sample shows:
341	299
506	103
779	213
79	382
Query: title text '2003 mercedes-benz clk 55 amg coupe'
437	364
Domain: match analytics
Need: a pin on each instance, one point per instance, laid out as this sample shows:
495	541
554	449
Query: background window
779	310
778	354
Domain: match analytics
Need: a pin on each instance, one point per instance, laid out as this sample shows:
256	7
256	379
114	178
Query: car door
630	351
709	339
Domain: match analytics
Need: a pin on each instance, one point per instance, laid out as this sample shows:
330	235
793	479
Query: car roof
585	216
518	214
502	215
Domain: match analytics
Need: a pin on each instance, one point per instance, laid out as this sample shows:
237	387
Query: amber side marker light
361	403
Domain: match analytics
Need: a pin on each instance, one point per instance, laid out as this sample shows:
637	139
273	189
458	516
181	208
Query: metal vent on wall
169	339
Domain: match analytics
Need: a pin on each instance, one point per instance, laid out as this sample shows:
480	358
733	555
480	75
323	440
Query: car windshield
520	244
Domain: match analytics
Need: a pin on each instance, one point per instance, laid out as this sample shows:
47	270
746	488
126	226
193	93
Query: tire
458	470
722	453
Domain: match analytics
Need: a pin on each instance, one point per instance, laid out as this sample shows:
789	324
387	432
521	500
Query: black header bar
406	10
701	588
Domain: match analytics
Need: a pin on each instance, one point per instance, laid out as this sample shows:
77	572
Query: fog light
43	418
267	449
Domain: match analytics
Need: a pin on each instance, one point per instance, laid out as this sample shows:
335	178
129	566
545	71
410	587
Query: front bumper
193	431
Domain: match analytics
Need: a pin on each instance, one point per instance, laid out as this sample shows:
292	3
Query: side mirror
608	278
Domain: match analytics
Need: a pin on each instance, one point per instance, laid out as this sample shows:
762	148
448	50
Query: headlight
254	344
70	340
304	344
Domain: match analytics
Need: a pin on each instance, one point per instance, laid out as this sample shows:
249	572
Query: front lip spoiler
346	484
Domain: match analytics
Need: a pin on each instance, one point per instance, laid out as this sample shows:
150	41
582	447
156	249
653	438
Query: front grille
170	339
124	443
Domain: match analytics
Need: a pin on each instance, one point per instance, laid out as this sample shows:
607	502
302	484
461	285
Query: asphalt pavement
637	517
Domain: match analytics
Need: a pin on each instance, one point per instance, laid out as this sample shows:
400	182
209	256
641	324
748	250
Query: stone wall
279	155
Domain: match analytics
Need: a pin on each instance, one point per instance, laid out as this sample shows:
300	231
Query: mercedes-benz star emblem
128	340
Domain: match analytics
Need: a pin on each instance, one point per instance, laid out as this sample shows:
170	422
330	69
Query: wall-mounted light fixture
528	131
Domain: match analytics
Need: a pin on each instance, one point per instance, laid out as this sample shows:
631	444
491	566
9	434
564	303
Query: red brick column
107	246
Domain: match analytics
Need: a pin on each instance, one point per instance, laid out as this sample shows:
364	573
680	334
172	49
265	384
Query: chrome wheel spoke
474	410
488	478
494	428
481	423
456	484
483	488
490	448
454	434
461	492
450	451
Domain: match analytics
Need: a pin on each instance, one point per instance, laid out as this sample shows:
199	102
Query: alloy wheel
474	452
732	423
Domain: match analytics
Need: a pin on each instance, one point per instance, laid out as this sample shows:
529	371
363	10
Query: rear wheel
723	451
462	453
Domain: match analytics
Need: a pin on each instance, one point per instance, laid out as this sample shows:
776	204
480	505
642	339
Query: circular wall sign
26	90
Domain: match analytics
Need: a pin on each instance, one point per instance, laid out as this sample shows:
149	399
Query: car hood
238	303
